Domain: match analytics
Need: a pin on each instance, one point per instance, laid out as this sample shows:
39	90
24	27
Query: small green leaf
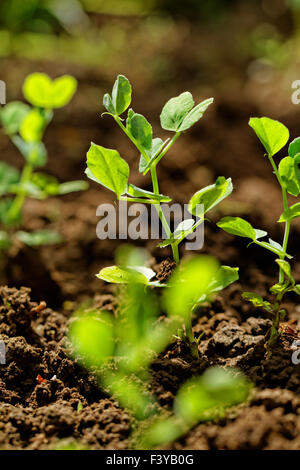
210	196
188	283
72	187
92	336
206	397
34	153
272	134
108	104
195	115
256	300
290	174
260	233
294	147
286	268
292	213
8	176
175	111
237	226
32	127
279	288
40	237
43	92
134	191
121	95
275	248
8	218
297	289
12	116
141	130
108	168
128	275
224	277
183	228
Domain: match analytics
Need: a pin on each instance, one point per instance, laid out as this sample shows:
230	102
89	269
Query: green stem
167	148
288	222
19	200
154	183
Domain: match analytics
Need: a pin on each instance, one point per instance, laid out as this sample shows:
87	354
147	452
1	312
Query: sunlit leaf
43	92
121	95
12	116
207	198
175	110
272	134
292	213
141	130
195	115
290	174
108	168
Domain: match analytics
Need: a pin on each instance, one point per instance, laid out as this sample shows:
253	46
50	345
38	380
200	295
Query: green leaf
43	92
12	116
279	288
257	300
290	174
294	147
48	185
121	94
134	191
72	187
108	104
224	277
32	127
237	226
175	111
260	233
40	237
188	283
275	247
141	130
157	146
286	268
210	196
92	336
128	275
8	176
272	134
292	213
195	115
297	289
183	228
34	153
206	397
108	168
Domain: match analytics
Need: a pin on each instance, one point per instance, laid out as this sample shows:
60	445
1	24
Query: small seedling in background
109	169
274	136
193	282
25	125
120	350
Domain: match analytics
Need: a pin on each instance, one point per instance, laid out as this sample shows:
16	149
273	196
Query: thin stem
288	222
135	199
167	148
19	200
154	182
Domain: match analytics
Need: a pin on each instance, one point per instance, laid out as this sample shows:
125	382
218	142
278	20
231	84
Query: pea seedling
25	126
120	350
274	136
108	168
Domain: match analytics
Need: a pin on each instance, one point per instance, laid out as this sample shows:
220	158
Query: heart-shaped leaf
43	92
108	168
